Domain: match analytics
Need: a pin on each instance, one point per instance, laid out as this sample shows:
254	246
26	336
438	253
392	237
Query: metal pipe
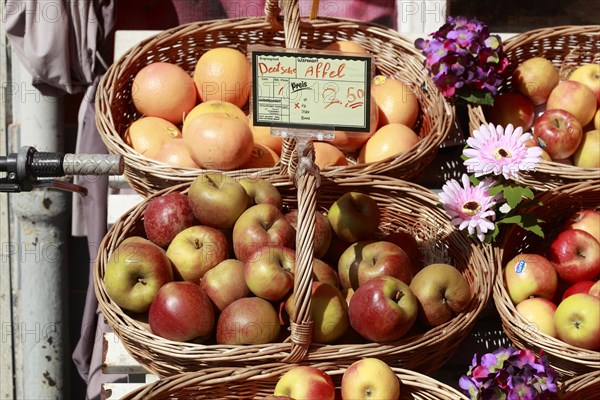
38	241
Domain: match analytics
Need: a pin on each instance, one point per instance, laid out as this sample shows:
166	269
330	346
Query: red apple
370	378
540	313
578	287
305	382
383	309
577	321
166	216
512	108
535	77
181	311
530	275
260	225
558	132
323	232
225	283
575	255
410	245
595	289
576	98
261	191
322	272
587	220
269	272
249	320
365	260
196	250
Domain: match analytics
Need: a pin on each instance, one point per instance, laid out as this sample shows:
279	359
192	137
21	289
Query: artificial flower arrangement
492	195
465	60
510	374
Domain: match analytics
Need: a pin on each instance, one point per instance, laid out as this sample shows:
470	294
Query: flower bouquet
491	196
511	374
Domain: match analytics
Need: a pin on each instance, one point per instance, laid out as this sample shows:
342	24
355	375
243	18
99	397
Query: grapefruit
396	101
327	155
176	153
389	140
213	106
147	135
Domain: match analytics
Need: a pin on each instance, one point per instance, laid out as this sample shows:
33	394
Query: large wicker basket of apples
240	272
200	73
366	378
547	290
552	90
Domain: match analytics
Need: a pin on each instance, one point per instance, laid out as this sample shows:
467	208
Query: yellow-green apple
574	97
530	275
587	220
181	311
383	309
589	75
260	225
354	216
365	260
269	272
305	382
329	312
323	272
575	255
196	250
597	119
540	313
535	78
595	289
370	378
533	142
441	291
511	108
577	321
225	283
134	273
588	152
578	287
410	245
323	232
249	320
217	200
558	132
261	191
167	215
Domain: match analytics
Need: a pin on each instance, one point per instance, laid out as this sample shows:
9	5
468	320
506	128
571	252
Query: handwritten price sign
308	90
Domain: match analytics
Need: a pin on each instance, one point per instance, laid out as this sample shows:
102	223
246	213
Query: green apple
269	273
196	250
261	191
577	321
370	378
354	216
134	273
442	292
217	200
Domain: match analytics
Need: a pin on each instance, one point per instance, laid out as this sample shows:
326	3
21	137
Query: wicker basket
394	56
256	383
567	47
583	387
558	204
403	205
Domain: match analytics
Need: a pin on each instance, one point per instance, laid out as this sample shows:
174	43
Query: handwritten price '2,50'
353	97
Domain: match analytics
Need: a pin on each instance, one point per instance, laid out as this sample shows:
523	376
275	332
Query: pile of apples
367	378
558	291
216	265
563	116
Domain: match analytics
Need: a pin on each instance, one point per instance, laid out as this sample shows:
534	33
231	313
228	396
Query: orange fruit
396	101
352	141
327	155
262	157
163	90
213	106
347	46
389	140
176	153
262	135
223	74
531	143
219	141
147	135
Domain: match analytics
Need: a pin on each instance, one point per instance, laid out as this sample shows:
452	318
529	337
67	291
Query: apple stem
398	296
143	281
197	243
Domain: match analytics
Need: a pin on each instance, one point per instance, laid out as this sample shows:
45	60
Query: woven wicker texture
567	47
582	387
256	383
394	56
403	205
558	205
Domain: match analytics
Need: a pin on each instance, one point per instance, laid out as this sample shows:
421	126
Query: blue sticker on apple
520	266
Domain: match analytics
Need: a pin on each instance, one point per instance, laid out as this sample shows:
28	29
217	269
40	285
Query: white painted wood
116	360
118	204
114	391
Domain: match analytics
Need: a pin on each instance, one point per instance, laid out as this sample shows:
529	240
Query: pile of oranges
197	120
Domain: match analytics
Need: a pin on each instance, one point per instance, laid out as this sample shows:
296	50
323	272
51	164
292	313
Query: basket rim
456	328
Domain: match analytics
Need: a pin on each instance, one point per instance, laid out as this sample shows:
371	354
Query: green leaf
480	97
474	180
529	222
512	192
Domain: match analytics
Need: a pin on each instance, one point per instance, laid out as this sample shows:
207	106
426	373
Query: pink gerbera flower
501	151
469	206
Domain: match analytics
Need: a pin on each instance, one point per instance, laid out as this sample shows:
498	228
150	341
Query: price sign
311	90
